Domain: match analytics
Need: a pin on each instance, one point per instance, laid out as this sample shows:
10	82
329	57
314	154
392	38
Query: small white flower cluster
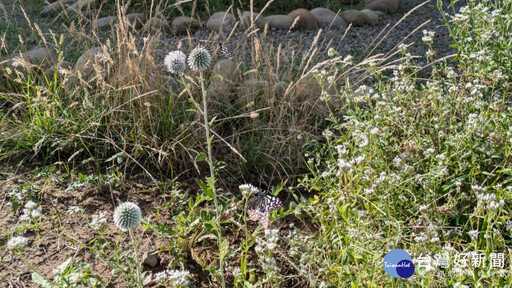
327	134
489	201
265	248
362	140
31	211
428	152
347	60
421	238
98	221
509	226
460	17
333	206
178	278
403	47
248	189
473	234
451	74
428	37
332	52
17	243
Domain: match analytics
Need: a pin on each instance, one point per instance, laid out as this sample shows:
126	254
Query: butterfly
259	207
224	50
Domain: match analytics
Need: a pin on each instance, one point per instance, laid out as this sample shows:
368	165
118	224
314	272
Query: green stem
137	261
212	175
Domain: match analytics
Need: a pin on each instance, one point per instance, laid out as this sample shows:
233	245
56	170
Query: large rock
81	4
104	22
307	21
354	17
51	10
41	56
328	18
221	22
183	24
281	22
136	19
259	21
386	6
252	87
90	13
374	18
62	68
157	25
90	58
225	74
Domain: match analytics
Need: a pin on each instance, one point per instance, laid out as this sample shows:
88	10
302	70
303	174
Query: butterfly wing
254	215
273	203
254	208
225	50
259	207
264	220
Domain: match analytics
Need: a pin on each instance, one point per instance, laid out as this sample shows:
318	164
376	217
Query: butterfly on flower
260	206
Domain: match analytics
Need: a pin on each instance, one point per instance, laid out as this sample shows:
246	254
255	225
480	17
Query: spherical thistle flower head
199	59
176	62
17	243
127	216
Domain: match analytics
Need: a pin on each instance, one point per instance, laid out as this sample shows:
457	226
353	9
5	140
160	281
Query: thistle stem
137	261
212	174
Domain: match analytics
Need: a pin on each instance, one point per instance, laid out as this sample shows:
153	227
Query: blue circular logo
398	264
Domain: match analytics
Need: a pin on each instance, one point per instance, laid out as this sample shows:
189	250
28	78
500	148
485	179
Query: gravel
358	41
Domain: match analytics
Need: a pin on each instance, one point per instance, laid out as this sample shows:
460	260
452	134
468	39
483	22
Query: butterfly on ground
224	50
260	206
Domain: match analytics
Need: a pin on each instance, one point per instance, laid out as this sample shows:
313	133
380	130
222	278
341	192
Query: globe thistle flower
17	243
127	216
176	62
199	59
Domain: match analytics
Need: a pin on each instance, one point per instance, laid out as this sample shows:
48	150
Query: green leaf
118	156
223	249
40	280
219	165
201	184
190	204
201	157
64	265
165	229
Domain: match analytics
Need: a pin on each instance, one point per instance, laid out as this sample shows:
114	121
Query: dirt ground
63	230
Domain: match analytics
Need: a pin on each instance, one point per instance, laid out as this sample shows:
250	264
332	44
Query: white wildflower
98	221
473	234
17	243
248	189
179	278
428	37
